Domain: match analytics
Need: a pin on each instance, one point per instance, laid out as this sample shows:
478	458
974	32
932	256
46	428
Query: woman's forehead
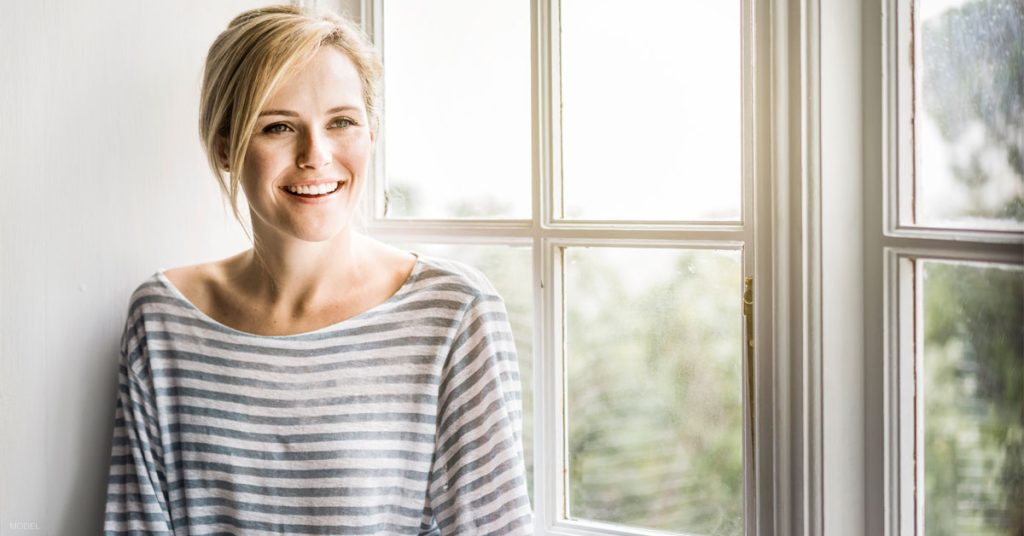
329	76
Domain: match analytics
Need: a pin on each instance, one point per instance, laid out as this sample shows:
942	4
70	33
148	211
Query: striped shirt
404	419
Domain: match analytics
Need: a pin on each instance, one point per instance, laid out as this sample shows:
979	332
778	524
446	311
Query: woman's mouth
323	189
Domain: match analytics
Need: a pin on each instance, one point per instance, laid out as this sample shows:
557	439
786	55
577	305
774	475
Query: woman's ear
221	150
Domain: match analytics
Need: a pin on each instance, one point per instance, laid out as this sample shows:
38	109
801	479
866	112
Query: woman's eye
343	122
275	128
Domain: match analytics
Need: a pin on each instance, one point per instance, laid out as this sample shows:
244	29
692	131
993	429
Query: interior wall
102	182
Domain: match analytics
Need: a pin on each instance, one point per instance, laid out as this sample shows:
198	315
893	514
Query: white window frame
782	147
893	245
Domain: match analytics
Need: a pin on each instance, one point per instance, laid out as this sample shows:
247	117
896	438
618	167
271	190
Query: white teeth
319	189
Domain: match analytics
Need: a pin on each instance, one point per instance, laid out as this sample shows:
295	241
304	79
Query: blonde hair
248	60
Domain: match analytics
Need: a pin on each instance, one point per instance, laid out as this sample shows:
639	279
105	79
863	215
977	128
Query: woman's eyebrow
290	113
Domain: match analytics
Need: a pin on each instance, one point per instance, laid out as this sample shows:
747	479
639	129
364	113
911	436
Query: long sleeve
137	500
478	479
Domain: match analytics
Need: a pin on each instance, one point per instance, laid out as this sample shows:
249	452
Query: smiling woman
321	382
303	151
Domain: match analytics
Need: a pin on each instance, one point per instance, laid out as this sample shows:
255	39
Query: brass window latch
748	316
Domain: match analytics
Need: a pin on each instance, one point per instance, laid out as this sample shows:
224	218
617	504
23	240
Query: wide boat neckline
417	266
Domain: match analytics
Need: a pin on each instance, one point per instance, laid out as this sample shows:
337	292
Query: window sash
546	234
901	151
902	244
904	352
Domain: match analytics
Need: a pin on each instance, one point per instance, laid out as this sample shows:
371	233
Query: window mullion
546	305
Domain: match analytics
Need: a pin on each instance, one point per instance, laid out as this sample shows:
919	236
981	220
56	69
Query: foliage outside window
652	403
962	326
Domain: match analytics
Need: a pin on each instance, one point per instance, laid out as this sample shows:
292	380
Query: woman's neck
292	277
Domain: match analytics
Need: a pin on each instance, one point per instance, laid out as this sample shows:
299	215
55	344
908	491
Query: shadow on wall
92	421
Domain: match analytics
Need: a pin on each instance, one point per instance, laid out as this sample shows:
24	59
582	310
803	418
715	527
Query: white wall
102	182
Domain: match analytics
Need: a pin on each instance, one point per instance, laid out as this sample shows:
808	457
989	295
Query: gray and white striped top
405	419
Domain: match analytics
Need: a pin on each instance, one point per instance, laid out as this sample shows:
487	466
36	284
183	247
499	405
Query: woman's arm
478	480
137	497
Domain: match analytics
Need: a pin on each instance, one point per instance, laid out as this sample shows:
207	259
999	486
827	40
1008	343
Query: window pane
504	266
651	109
457	99
973	399
971	105
654	372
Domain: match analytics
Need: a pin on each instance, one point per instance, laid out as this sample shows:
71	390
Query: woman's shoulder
457	275
195	281
153	287
173	290
198	282
207	286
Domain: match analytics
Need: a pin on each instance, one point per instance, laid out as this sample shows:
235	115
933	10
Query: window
954	267
598	161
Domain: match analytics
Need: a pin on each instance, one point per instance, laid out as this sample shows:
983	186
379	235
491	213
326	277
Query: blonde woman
321	382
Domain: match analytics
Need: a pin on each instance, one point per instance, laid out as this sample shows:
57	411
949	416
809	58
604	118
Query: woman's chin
308	229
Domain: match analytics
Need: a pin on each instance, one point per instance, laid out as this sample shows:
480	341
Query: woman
321	382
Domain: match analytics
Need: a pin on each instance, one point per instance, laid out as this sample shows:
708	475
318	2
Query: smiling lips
322	189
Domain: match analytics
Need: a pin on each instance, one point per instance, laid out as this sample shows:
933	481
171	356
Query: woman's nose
315	152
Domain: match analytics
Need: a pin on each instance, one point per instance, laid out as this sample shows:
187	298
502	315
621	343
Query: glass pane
971	105
651	109
654	379
973	397
457	108
505	267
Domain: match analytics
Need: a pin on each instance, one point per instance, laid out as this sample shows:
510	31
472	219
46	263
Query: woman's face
314	131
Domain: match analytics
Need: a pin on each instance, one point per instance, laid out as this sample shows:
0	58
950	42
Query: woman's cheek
261	160
359	149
